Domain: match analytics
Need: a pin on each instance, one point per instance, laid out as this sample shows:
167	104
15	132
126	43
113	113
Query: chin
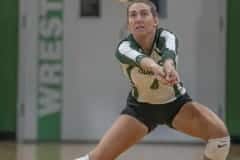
140	34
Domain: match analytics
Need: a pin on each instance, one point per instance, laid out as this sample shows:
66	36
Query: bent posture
148	58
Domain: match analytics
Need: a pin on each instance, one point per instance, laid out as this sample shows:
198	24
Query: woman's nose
138	17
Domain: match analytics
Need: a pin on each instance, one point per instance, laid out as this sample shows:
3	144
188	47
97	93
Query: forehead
138	7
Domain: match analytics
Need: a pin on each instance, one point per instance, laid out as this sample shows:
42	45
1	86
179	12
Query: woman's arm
128	55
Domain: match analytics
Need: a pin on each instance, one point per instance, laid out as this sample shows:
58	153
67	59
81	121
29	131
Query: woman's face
141	21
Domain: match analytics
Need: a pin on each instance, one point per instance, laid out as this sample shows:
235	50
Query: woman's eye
132	14
144	14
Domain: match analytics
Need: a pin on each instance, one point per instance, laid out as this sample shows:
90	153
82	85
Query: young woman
148	58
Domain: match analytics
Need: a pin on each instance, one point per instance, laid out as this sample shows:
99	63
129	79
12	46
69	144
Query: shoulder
167	39
165	33
128	42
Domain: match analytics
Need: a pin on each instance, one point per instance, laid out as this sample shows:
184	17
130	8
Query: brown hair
147	2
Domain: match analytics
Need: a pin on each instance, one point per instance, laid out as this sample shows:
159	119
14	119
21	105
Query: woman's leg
197	120
124	132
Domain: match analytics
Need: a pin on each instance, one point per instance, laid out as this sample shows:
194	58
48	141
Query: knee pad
217	148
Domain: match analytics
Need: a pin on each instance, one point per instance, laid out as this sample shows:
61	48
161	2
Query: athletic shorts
155	114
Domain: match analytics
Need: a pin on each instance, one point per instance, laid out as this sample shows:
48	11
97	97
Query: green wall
233	73
8	64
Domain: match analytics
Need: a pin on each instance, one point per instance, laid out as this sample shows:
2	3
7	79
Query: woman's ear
156	22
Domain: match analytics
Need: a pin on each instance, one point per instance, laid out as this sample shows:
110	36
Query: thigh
197	120
124	132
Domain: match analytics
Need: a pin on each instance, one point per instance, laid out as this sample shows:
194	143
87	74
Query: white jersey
146	88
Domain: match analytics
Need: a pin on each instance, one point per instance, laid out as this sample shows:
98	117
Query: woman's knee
217	149
215	125
219	130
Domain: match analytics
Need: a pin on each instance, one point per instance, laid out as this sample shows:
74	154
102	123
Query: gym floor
68	151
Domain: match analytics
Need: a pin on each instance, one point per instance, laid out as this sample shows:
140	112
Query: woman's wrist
153	66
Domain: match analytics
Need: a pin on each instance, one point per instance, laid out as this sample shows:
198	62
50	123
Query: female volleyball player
148	58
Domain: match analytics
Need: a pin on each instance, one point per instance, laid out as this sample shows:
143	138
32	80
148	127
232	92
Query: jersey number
155	84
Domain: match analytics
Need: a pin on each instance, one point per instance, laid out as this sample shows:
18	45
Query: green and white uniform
145	88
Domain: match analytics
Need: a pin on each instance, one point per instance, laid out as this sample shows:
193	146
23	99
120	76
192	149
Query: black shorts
154	114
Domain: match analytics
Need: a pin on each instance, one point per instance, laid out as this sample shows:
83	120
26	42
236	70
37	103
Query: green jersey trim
170	46
145	88
128	55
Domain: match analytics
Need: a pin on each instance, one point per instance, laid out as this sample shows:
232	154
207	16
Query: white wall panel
95	90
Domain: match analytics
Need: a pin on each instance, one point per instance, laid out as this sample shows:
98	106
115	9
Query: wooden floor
12	151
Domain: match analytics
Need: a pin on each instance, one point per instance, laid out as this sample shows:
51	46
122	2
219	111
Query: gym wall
72	88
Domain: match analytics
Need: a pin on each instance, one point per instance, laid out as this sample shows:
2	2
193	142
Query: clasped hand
166	74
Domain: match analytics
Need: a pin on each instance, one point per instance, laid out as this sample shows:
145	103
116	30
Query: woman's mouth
139	28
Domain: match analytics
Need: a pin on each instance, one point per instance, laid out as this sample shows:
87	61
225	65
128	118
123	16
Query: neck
146	41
